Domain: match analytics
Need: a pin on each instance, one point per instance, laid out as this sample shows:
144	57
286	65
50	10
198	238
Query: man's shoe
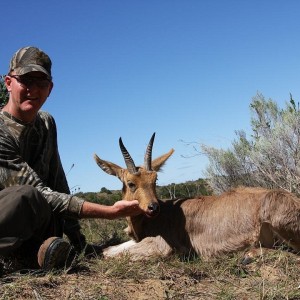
53	253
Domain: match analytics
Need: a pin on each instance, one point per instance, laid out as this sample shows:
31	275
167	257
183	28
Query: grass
274	275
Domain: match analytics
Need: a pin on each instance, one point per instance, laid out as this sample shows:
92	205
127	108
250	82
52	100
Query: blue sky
186	70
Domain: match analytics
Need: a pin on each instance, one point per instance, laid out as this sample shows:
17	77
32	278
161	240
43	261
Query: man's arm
120	209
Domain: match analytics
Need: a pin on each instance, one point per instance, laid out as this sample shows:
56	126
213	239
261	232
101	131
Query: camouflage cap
30	59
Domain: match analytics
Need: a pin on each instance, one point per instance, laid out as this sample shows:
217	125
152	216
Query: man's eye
27	81
40	82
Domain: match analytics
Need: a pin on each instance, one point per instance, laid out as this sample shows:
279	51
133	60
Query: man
36	207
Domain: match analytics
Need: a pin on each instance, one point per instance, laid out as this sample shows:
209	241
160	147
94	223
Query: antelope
207	226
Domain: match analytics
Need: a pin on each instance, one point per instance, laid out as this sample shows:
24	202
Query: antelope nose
153	208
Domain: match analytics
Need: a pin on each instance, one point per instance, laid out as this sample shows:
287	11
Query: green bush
269	158
3	92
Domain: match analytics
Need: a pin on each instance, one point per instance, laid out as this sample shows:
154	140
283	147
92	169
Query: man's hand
127	208
120	209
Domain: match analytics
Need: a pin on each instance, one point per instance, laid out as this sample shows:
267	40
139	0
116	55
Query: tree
3	91
182	190
270	158
105	190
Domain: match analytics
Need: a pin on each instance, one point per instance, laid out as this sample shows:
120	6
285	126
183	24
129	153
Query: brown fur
207	226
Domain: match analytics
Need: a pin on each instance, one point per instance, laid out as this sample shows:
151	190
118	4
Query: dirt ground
274	277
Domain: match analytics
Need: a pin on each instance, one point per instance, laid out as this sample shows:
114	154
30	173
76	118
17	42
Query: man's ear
8	81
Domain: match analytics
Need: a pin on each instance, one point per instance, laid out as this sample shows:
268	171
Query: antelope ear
108	167
158	162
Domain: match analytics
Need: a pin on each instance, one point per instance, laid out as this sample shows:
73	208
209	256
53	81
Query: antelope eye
131	185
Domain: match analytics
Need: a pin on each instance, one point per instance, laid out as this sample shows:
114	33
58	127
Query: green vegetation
3	92
182	190
269	158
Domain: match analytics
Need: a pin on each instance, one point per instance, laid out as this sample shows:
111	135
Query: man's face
27	94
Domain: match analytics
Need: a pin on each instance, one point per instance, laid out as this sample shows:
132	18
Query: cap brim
32	68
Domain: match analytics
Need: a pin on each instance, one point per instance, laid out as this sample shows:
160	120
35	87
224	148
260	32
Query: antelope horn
128	160
148	154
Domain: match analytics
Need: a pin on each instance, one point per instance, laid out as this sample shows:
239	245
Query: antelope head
139	183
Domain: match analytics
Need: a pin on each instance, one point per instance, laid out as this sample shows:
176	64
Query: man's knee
26	199
19	190
30	197
24	214
25	191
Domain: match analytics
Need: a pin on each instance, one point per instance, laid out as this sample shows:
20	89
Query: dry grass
274	275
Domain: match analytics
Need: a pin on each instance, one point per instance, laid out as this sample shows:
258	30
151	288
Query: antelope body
207	226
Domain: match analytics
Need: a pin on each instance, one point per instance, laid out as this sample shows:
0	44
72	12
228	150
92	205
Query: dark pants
25	217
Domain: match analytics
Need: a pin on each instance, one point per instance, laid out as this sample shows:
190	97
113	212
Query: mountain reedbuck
243	218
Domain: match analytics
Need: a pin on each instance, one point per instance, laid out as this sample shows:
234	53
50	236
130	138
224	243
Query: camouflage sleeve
15	171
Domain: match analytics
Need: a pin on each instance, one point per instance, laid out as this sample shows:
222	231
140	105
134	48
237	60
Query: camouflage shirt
29	155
